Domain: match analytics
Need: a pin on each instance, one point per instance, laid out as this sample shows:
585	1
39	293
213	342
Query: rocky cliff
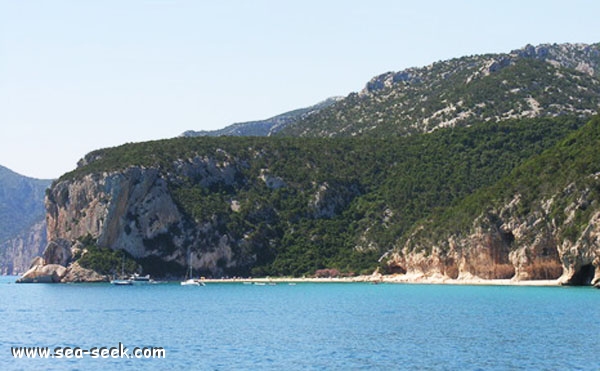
542	222
134	211
17	253
501	244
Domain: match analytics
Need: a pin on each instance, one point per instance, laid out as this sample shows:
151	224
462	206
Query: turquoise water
307	326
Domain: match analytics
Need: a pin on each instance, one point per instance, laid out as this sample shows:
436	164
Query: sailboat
120	282
191	281
136	278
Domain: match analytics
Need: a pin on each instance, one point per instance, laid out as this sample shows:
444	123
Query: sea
306	326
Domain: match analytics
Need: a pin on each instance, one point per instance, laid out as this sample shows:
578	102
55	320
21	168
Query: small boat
191	281
119	282
136	278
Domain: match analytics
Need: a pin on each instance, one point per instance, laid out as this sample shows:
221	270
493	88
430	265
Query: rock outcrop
76	273
58	252
505	243
127	210
44	273
133	210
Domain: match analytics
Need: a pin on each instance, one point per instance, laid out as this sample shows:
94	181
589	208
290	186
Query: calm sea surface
306	326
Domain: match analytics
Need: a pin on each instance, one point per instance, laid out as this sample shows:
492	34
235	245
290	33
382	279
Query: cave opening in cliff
584	276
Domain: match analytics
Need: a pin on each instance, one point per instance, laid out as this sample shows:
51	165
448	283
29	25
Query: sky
80	75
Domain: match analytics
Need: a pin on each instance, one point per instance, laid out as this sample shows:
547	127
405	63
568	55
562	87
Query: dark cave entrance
584	276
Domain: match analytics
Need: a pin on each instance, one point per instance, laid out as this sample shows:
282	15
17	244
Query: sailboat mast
190	263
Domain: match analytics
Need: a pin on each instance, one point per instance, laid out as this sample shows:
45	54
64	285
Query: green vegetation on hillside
104	260
566	173
458	92
336	203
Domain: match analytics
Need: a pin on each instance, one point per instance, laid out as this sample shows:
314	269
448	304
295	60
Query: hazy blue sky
79	75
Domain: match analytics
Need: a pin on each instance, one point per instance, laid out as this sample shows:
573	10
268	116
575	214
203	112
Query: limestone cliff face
121	210
16	253
505	242
133	210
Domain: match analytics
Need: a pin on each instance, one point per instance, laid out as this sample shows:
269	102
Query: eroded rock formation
505	243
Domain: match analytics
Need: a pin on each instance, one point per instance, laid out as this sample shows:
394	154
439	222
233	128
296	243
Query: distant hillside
21	202
263	128
21	210
547	80
17	253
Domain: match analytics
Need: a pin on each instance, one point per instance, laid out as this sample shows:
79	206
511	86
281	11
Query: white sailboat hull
192	282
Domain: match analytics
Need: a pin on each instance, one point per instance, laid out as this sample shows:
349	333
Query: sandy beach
399	279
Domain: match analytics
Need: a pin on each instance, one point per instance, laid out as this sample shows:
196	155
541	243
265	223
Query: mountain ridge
466	90
266	127
390	102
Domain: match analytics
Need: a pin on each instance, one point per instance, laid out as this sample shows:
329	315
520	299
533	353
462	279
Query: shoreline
409	279
394	279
